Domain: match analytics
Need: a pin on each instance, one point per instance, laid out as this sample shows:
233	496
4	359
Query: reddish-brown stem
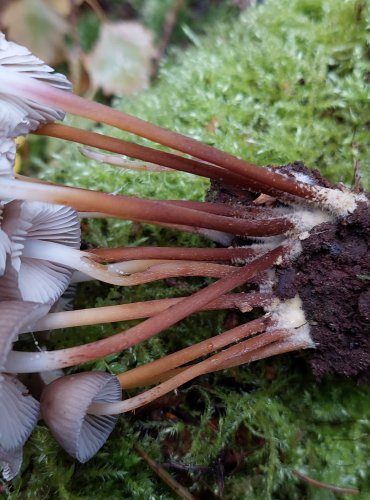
140	310
168	253
222	209
209	365
145	153
286	345
141	375
155	272
33	89
19	362
138	209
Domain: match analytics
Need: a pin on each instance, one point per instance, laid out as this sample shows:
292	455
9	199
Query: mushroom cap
64	405
19	116
19	412
37	280
10	462
5	245
16	316
8	151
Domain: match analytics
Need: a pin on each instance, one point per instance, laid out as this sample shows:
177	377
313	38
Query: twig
165	476
168	27
326	486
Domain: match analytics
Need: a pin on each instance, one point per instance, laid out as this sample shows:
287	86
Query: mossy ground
287	81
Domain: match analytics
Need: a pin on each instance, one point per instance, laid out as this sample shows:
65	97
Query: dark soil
332	277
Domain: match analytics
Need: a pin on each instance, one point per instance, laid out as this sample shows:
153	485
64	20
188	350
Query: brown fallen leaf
34	24
121	60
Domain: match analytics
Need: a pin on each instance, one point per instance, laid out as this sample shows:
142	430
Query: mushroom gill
64	405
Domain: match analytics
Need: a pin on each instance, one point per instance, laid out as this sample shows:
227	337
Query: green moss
286	81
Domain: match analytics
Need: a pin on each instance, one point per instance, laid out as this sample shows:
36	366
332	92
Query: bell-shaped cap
10	462
64	406
19	412
19	116
37	280
16	316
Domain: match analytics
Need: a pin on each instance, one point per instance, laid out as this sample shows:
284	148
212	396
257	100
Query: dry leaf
121	60
34	24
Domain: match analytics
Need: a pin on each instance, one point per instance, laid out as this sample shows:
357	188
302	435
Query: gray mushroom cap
5	245
19	412
37	280
10	462
19	116
64	406
16	316
8	151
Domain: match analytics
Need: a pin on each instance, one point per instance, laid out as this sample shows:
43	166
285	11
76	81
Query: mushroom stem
247	347
200	254
12	82
162	158
138	209
141	375
140	310
291	342
294	342
82	261
126	273
21	362
163	270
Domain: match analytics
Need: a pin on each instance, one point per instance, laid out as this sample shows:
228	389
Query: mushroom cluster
273	210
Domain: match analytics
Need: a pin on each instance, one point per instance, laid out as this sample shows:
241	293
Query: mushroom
10	462
5	245
45	240
137	310
64	405
18	116
29	87
18	410
25	362
7	156
25	277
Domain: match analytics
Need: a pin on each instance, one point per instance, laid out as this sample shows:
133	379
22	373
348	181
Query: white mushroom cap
19	412
37	280
19	116
64	405
10	462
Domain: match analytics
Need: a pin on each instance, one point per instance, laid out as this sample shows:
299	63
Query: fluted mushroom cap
19	116
8	151
37	280
16	316
19	412
5	245
64	406
10	462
